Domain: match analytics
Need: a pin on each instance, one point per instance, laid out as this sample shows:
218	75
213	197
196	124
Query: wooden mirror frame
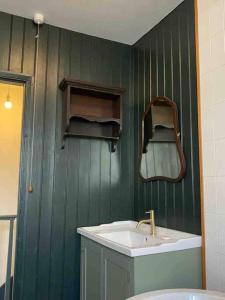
172	104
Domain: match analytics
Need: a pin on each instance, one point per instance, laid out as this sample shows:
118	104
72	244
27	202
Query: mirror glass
161	153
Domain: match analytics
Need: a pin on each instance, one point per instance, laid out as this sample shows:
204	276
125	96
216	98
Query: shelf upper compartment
89	86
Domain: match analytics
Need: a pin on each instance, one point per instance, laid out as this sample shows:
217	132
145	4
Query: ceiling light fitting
39	19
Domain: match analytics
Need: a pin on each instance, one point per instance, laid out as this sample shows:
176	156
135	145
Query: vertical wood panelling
115	158
16	47
28	68
124	208
84	184
45	227
5	32
33	202
196	205
60	179
29	47
170	56
72	250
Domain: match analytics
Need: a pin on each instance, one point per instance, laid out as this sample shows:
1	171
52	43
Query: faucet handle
150	211
151	214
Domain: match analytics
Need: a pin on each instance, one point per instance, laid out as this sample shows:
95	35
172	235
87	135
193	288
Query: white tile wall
210	199
211	17
216	17
217	85
220	195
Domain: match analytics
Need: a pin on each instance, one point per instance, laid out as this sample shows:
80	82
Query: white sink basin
133	239
125	238
180	294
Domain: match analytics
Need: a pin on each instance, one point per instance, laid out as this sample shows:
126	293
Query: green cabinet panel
179	269
109	275
91	272
105	274
116	275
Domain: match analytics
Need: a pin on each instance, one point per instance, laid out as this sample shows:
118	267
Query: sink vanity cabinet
108	274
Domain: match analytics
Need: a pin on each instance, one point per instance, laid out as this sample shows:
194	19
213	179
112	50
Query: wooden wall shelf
91	110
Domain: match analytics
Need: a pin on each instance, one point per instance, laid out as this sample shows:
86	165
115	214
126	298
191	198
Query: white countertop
125	238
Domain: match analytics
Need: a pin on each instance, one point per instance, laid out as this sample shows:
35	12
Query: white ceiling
118	20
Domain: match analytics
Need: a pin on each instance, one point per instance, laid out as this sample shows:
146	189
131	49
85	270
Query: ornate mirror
162	157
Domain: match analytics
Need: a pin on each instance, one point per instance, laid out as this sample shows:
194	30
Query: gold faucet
150	221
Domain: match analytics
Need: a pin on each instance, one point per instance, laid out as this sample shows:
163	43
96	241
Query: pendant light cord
8	93
30	188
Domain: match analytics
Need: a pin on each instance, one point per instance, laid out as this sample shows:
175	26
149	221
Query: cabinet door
117	276
90	271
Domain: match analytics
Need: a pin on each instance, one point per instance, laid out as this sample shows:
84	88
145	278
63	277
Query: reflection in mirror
161	153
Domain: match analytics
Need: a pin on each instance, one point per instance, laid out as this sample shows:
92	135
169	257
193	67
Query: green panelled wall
84	184
164	65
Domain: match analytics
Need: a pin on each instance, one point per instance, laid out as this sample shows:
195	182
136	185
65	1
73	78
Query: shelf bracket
63	142
113	146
